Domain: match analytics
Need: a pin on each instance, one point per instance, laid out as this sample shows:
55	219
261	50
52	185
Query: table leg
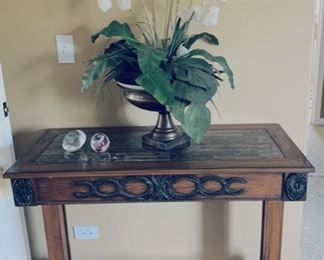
56	232
272	220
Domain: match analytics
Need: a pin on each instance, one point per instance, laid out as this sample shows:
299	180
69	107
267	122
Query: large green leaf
177	109
115	29
180	73
196	121
195	77
201	79
94	72
190	62
149	58
154	79
209	38
158	85
185	91
220	60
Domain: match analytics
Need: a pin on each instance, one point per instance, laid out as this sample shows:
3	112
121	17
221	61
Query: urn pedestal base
179	143
165	135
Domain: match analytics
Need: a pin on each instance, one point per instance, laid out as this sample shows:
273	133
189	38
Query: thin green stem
154	23
142	30
169	21
148	18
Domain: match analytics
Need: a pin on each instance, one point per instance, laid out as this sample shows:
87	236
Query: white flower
181	51
186	13
104	5
211	19
124	5
198	10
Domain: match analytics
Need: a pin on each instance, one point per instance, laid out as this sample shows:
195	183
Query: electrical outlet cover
86	232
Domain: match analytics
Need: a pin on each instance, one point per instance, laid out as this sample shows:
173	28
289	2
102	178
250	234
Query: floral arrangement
162	59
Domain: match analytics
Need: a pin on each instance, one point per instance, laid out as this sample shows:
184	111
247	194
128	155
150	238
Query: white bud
124	5
181	51
211	19
186	13
104	5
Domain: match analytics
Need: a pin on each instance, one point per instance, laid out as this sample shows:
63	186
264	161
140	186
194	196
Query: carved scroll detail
159	188
23	192
295	186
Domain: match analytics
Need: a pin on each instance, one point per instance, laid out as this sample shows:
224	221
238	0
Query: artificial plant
176	74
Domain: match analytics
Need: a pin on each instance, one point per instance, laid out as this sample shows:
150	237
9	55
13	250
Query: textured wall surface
268	44
313	220
313	213
315	147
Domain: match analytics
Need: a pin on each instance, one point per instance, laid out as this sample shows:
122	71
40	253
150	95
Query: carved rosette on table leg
160	188
295	186
23	192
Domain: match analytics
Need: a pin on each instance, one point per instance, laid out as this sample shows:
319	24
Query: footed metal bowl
165	135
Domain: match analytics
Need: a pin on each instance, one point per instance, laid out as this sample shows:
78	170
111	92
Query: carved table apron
234	162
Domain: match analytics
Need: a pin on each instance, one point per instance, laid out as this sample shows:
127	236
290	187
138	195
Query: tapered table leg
272	221
56	232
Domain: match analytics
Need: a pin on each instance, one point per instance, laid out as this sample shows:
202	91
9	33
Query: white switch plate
65	49
86	232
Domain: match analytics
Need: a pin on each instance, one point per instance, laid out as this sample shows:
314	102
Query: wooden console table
234	162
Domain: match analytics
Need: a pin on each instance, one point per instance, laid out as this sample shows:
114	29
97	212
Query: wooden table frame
53	186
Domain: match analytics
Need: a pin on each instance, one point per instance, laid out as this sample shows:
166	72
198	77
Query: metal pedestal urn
165	135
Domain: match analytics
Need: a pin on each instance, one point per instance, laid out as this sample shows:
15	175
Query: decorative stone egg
74	140
100	143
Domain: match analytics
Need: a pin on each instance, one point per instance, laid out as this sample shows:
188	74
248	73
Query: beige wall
268	44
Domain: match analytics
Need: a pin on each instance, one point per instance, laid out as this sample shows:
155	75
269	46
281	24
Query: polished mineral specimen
100	143
74	140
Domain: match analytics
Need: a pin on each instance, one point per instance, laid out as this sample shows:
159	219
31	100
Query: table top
261	148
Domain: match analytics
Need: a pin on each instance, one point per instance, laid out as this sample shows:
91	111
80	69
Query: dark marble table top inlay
226	148
126	146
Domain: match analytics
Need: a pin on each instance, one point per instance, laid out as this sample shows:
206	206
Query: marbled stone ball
99	143
74	140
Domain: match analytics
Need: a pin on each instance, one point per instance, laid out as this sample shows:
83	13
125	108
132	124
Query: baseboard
316	175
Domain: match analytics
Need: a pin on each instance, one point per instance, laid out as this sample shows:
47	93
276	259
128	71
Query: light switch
65	49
